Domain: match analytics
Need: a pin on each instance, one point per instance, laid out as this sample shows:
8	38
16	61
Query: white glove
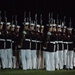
53	42
48	33
66	42
44	48
24	32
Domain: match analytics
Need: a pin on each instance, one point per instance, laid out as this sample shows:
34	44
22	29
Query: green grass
36	72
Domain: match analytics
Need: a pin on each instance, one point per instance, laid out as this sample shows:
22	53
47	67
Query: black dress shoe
67	69
64	67
70	69
74	67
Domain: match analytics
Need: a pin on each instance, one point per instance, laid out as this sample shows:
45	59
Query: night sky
61	7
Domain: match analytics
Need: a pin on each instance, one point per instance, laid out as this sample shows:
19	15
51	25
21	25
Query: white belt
65	42
70	42
12	41
27	39
52	42
2	39
37	41
56	41
33	40
8	40
60	41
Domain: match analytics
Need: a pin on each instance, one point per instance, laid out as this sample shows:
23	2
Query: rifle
64	19
35	22
5	21
0	17
12	20
16	20
24	18
57	32
40	22
5	28
51	18
5	17
35	28
29	26
57	20
70	23
29	18
23	34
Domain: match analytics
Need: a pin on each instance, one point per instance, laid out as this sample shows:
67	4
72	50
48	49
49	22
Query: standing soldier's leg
71	60
67	61
28	55
47	60
42	59
0	59
56	58
74	60
17	58
23	59
34	59
14	57
9	58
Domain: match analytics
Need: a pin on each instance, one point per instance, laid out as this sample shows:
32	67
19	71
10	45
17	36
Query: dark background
61	7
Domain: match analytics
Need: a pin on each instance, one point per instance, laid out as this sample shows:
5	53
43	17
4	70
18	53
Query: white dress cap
38	25
69	28
32	24
2	23
59	26
18	26
8	23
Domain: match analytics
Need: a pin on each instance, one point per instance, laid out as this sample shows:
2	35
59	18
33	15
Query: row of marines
32	46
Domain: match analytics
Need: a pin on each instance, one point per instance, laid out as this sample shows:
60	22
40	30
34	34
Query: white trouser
29	61
69	63
0	52
64	56
3	58
23	59
56	60
60	55
47	60
39	59
52	61
9	58
34	59
74	59
14	61
0	57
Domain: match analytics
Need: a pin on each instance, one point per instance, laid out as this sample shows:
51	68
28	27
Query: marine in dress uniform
12	32
60	51
25	49
42	51
69	63
52	47
2	52
8	47
74	50
38	44
70	39
55	45
64	34
33	46
49	49
17	45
